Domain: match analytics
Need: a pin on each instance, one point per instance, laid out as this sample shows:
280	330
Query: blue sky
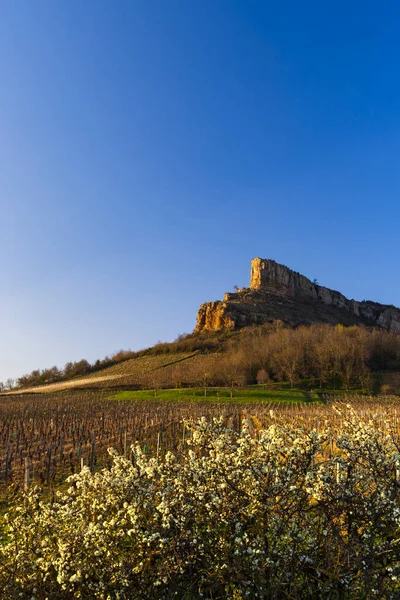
149	150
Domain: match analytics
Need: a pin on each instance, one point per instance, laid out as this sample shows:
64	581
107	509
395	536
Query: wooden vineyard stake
48	464
27	473
7	459
92	454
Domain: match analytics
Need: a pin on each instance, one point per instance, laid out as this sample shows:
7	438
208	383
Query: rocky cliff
278	293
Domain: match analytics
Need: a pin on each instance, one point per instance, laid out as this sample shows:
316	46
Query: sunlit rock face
278	293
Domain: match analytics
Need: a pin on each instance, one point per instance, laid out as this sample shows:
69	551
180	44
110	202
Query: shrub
279	513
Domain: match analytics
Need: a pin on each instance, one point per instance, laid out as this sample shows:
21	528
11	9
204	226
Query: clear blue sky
149	150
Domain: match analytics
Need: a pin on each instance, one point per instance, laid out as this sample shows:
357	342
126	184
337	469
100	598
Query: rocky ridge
278	293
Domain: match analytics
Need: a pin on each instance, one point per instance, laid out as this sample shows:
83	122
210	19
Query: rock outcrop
278	293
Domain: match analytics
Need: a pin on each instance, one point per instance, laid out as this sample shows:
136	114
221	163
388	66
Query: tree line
330	355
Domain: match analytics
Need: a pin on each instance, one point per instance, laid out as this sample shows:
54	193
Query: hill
318	355
256	334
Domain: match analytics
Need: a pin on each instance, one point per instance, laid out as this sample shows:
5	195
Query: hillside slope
150	371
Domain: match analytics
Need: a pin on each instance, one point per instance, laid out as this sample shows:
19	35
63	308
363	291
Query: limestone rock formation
278	293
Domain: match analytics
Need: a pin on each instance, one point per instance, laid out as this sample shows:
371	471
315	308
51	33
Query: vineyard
44	438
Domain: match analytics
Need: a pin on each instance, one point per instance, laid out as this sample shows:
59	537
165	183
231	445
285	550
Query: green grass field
255	394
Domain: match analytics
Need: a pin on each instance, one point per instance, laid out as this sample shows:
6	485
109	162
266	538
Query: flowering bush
280	513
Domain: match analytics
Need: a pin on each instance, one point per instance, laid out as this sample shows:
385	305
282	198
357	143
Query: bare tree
10	383
233	372
262	377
